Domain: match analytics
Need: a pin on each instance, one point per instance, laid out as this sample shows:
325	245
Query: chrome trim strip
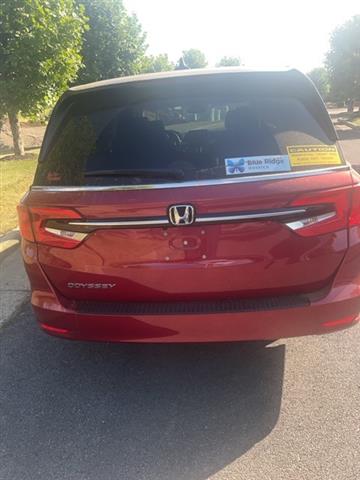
212	219
193	183
249	216
306	222
123	223
67	234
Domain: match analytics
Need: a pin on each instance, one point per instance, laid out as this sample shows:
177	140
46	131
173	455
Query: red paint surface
220	261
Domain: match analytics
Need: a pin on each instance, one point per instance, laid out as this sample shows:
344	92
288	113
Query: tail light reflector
333	212
33	226
25	223
354	220
340	321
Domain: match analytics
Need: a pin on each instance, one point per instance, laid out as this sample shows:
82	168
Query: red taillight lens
335	216
33	226
354	219
25	223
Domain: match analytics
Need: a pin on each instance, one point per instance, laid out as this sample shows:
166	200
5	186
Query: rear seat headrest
241	118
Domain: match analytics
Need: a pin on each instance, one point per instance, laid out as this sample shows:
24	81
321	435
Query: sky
273	33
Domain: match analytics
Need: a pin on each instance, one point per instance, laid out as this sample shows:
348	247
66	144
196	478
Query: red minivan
193	206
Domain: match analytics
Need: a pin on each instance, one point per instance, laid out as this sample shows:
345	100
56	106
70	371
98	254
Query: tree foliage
114	45
320	77
39	56
194	58
229	62
343	60
39	52
158	63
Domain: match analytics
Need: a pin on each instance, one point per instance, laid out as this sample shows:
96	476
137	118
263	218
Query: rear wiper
137	172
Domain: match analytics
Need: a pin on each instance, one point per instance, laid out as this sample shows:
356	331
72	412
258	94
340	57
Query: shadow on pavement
75	410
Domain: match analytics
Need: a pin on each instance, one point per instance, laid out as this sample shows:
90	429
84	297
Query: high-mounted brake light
333	210
36	225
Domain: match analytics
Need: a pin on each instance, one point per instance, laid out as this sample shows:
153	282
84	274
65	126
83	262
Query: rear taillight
354	219
48	225
25	223
331	212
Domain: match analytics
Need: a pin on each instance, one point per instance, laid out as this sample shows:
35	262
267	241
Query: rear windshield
185	139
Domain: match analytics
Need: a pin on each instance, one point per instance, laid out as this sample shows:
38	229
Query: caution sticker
304	155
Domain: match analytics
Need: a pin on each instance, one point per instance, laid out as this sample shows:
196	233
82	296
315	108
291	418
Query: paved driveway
76	411
350	143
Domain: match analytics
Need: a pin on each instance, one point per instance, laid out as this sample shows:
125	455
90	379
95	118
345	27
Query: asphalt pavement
91	411
83	411
350	143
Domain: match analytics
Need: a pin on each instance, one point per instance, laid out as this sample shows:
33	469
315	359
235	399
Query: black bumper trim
192	307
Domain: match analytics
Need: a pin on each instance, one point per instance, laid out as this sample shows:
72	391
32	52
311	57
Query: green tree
39	56
158	63
194	58
343	60
320	77
229	62
114	45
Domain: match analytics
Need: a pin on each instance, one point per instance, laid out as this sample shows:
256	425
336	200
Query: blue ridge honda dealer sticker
260	164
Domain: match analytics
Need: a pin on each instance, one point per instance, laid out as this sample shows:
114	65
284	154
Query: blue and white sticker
260	164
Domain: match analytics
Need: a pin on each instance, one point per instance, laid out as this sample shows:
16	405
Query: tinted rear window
178	139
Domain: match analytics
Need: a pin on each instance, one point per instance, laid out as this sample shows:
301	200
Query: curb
349	124
9	242
14	285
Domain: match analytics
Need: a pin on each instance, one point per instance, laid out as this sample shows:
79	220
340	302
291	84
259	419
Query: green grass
16	176
356	121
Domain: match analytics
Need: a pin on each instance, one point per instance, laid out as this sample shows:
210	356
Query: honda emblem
181	214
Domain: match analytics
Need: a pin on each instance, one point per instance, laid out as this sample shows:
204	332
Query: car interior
176	139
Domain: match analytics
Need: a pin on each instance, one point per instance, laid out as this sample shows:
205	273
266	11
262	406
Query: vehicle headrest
195	136
241	118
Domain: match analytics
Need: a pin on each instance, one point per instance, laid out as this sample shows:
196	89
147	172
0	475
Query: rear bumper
335	312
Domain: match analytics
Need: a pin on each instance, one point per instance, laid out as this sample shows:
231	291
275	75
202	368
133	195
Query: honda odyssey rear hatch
190	186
